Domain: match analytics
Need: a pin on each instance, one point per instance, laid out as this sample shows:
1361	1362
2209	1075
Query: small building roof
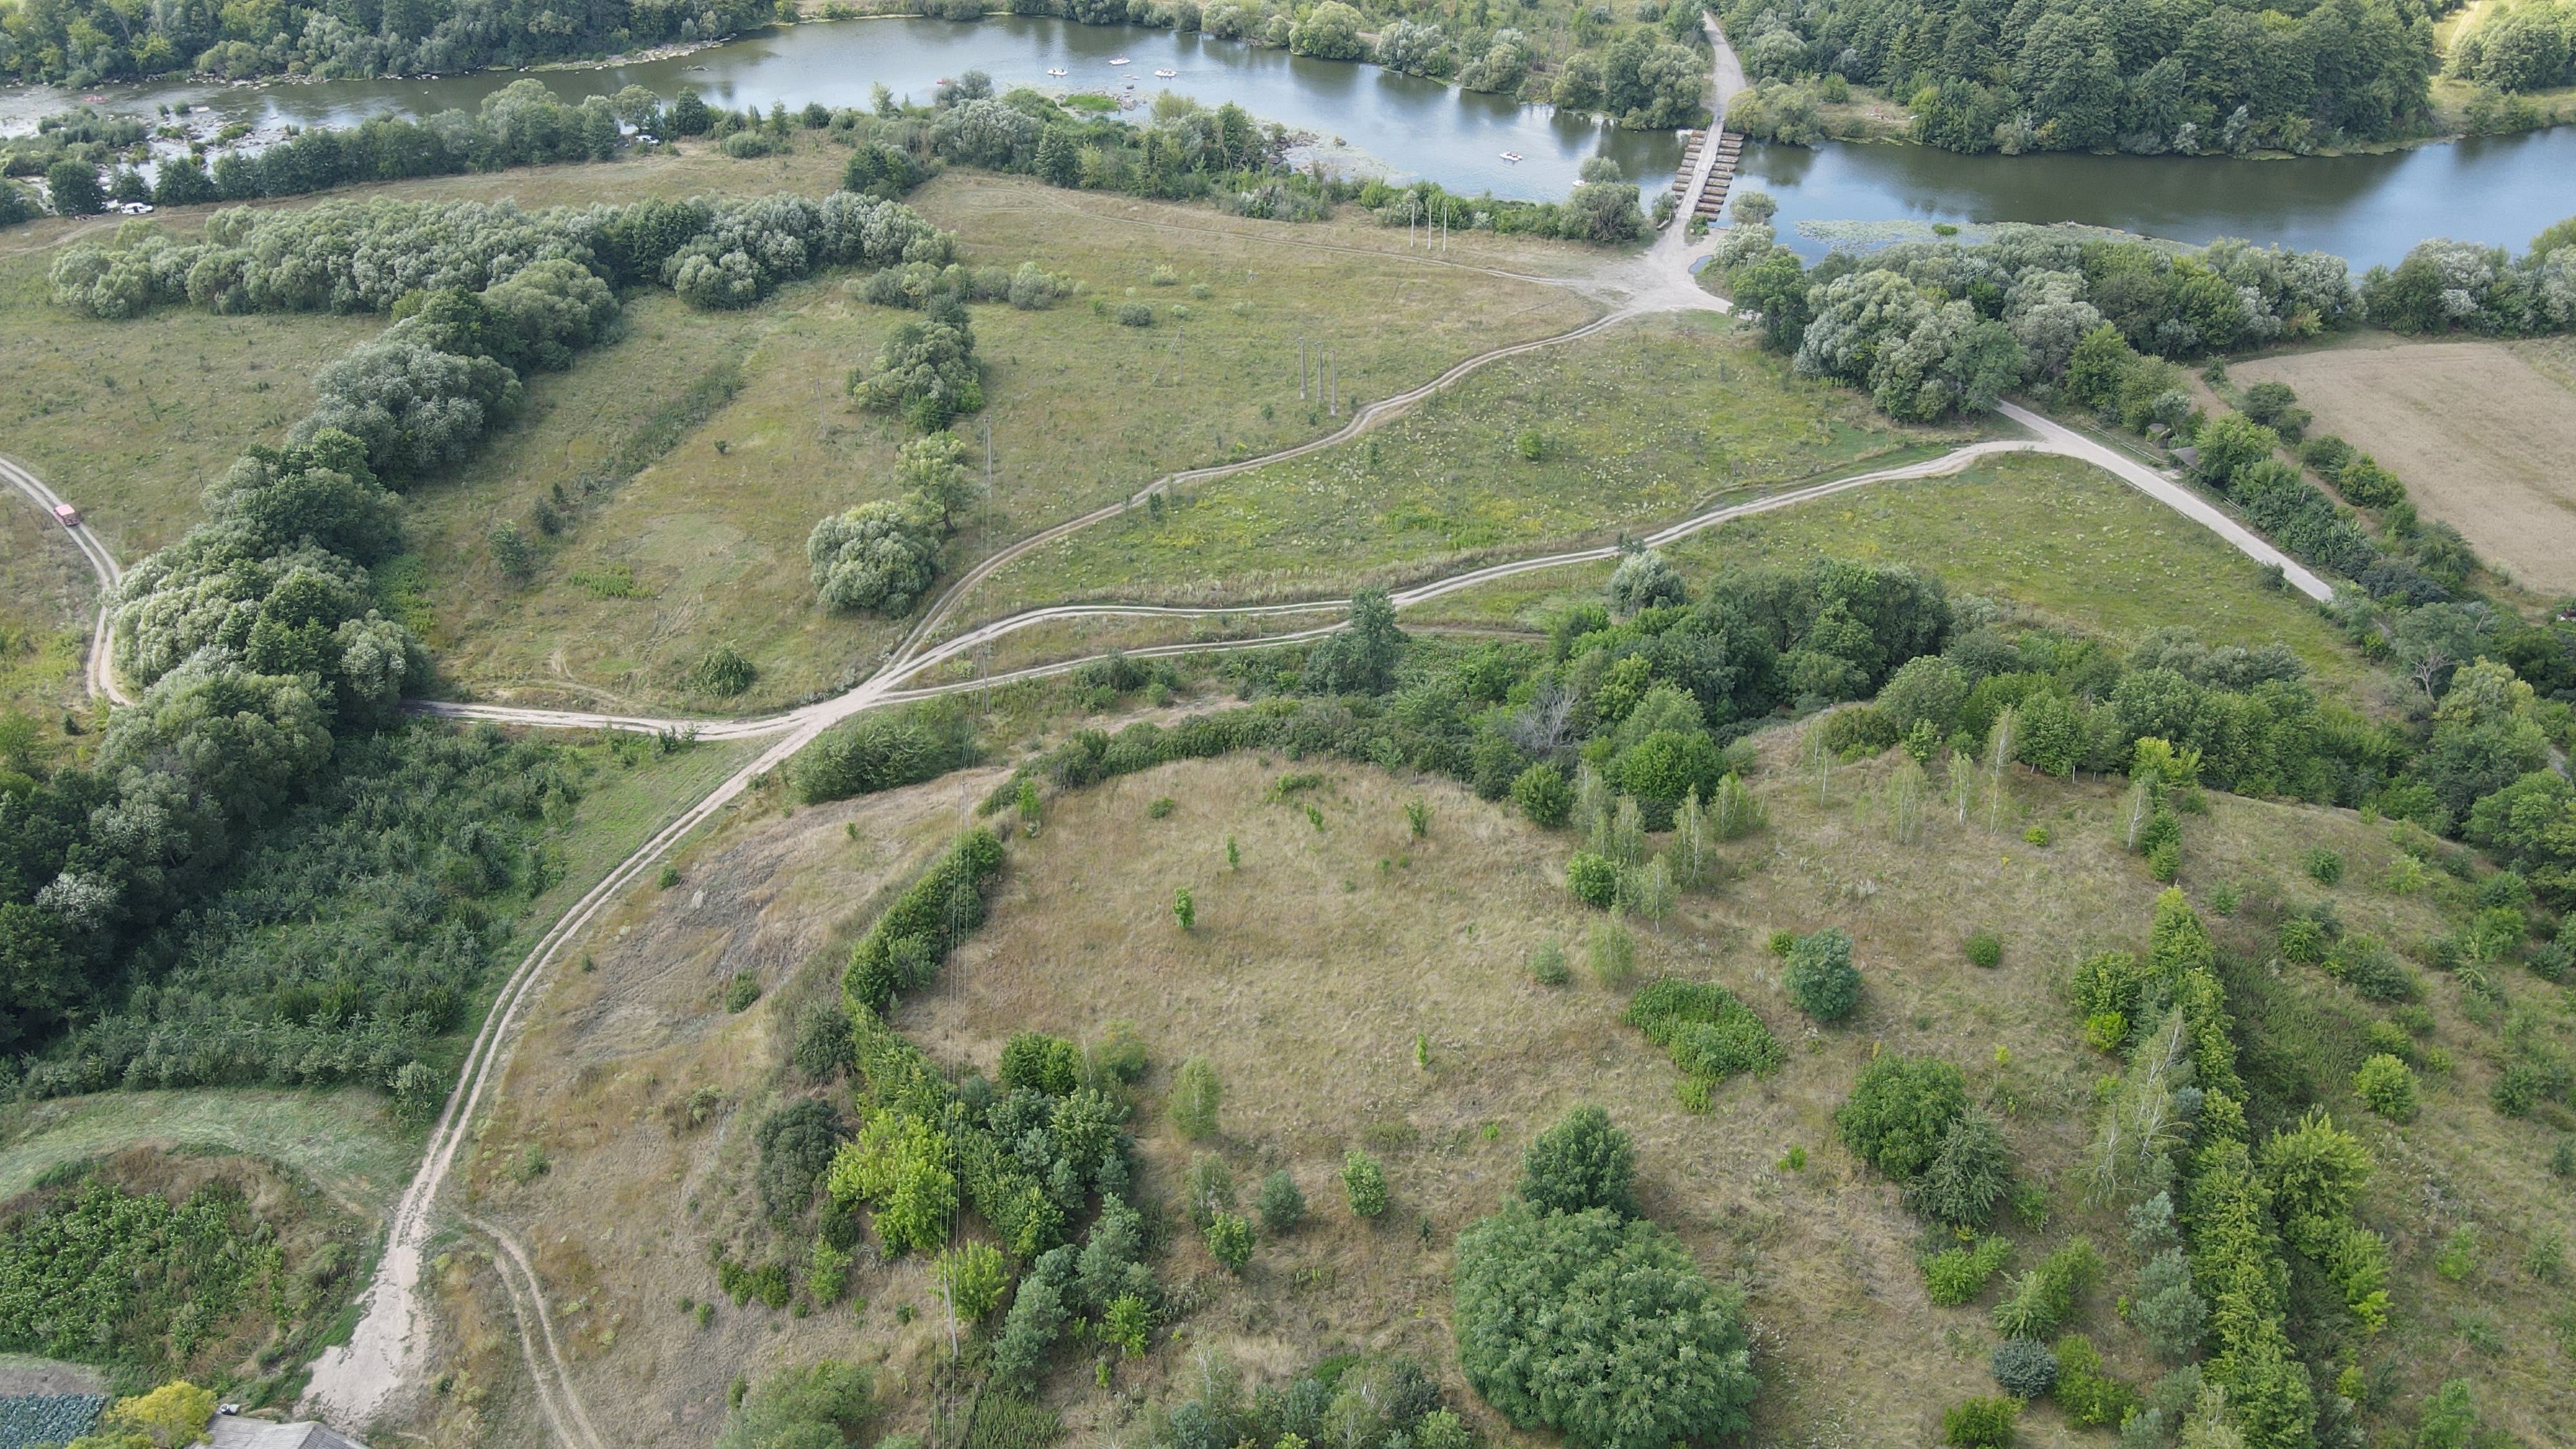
230	1432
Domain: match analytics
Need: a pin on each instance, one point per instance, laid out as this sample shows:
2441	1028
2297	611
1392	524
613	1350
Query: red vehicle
66	515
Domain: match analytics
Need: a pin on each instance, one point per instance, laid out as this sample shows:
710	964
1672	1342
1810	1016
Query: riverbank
2369	208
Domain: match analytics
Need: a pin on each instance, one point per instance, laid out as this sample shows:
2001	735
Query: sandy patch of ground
2484	440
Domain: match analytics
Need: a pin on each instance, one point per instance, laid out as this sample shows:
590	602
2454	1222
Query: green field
46	593
2059	541
706	544
1659	419
340	1139
130	420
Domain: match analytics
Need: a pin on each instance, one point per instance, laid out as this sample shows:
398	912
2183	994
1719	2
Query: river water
2368	209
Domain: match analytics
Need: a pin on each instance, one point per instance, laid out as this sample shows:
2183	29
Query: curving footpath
101	670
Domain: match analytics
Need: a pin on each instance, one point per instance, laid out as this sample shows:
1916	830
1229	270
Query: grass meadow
1659	419
748	437
700	449
2060	541
46	594
1309	974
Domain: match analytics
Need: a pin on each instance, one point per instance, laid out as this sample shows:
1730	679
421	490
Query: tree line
78	43
2189	77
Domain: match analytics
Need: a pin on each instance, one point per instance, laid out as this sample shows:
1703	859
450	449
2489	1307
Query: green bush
1600	1329
723	673
1281	1205
903	950
741	992
1543	796
1196	1097
1207	1190
2088	1395
2387	1086
1582	1162
1954	1278
796	1146
973	1275
1363	1184
1985	949
2302	940
2164	861
1229	1241
2324	866
1966	1177
1611	951
1593	879
823	1040
882	752
2024	1368
1980	1423
1820	975
1547	964
798	1408
1710	1035
1135	314
1039	1062
1900	1111
2043	1297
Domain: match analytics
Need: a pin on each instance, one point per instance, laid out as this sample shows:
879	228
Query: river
2369	209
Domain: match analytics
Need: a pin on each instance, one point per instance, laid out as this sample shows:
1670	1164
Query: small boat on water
1118	60
1058	71
1511	155
1167	73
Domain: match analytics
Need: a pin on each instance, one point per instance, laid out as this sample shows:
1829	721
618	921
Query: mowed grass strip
1646	424
340	1138
2057	538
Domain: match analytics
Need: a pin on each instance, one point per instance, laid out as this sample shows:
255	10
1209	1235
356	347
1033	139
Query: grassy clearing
710	443
2060	540
1384	936
2480	435
1653	422
340	1139
130	420
46	594
706	544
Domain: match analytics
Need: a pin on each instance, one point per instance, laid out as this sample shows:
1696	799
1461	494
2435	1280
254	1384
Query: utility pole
1301	369
988	482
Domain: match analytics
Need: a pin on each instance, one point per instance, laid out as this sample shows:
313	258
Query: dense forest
82	42
2187	76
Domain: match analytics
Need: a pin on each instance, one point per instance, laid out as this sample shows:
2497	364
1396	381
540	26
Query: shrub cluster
155	1288
1935	328
1709	1033
906	945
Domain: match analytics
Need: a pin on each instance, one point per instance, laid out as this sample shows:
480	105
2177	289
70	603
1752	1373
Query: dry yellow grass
1307	976
618	1223
2482	438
